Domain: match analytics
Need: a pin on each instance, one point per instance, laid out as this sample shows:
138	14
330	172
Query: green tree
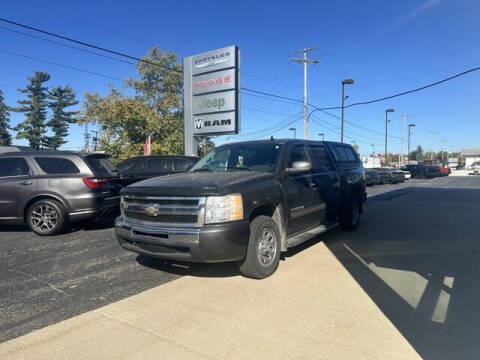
62	97
5	137
416	154
161	89
35	109
205	145
125	122
155	110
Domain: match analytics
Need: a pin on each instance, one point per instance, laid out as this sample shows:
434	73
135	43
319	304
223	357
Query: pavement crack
163	337
51	286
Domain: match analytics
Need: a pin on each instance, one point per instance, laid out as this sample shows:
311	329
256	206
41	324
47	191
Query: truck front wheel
263	252
350	217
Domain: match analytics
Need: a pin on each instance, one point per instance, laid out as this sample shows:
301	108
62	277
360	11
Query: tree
205	145
416	154
125	121
155	110
62	97
161	89
35	109
5	137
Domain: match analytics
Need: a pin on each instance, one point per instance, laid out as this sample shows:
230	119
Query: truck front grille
166	211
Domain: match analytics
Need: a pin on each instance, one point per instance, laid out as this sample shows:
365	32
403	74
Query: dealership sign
211	93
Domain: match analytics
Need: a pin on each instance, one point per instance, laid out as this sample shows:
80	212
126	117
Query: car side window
13	167
132	166
340	153
56	165
182	165
321	160
350	154
299	153
159	165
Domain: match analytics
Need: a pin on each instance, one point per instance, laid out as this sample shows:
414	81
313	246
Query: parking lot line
311	308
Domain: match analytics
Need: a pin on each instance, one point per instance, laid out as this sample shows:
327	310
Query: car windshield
250	157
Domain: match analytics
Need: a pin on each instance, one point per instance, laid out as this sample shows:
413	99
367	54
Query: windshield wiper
202	169
239	168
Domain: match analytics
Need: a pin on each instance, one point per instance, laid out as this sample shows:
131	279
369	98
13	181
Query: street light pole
322	135
294	132
347	82
409	134
386	133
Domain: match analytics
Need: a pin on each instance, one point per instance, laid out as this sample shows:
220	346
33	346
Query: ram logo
198	124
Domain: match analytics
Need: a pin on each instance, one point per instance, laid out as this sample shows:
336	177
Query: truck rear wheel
263	252
350	218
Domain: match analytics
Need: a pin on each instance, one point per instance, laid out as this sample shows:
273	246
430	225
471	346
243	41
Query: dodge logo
198	124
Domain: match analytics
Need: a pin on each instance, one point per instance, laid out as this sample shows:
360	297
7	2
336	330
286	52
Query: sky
387	47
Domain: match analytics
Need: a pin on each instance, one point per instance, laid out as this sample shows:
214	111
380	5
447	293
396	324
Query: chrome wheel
44	218
267	247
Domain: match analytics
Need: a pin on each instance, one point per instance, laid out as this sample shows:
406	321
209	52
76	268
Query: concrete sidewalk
310	309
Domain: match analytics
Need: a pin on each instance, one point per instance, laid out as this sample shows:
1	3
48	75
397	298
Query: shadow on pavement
417	255
227	269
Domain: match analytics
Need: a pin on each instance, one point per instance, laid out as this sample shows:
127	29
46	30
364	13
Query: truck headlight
226	208
123	205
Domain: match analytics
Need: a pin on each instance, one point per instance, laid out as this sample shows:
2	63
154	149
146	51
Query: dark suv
145	167
47	189
245	202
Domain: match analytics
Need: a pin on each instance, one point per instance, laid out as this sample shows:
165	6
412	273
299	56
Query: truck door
326	181
302	198
17	183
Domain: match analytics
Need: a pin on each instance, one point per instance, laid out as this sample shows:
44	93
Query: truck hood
196	183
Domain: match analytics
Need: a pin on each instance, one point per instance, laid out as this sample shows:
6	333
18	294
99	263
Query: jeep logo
216	104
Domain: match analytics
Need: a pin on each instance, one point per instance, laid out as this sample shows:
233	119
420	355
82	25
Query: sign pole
190	142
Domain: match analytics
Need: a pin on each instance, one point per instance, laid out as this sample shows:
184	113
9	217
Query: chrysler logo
211	60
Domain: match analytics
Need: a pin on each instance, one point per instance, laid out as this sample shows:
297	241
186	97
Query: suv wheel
46	217
350	219
263	253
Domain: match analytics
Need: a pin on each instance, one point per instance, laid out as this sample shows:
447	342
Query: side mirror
299	167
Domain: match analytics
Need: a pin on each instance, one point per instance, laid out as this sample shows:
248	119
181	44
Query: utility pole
373	149
344	82
400	162
433	139
443	149
228	139
409	134
305	62
386	134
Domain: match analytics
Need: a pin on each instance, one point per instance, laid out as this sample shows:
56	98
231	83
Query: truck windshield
250	157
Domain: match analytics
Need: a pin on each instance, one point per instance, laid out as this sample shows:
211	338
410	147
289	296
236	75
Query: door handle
27	182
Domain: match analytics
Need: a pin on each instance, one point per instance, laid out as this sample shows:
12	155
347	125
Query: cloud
419	10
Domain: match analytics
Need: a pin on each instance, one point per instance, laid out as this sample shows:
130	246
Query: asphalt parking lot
416	255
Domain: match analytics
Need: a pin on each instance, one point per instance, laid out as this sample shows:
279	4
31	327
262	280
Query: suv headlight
226	208
123	205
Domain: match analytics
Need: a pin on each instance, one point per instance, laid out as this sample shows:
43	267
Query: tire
350	218
263	252
46	217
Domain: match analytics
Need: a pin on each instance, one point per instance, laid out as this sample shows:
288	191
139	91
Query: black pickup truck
245	202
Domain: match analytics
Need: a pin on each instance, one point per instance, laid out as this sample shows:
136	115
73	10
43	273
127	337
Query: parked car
390	175
49	189
145	167
245	202
372	177
433	171
416	171
385	177
476	167
445	171
407	174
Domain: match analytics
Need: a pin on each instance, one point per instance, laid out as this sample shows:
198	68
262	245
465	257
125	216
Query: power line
61	65
89	45
103	27
66	45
